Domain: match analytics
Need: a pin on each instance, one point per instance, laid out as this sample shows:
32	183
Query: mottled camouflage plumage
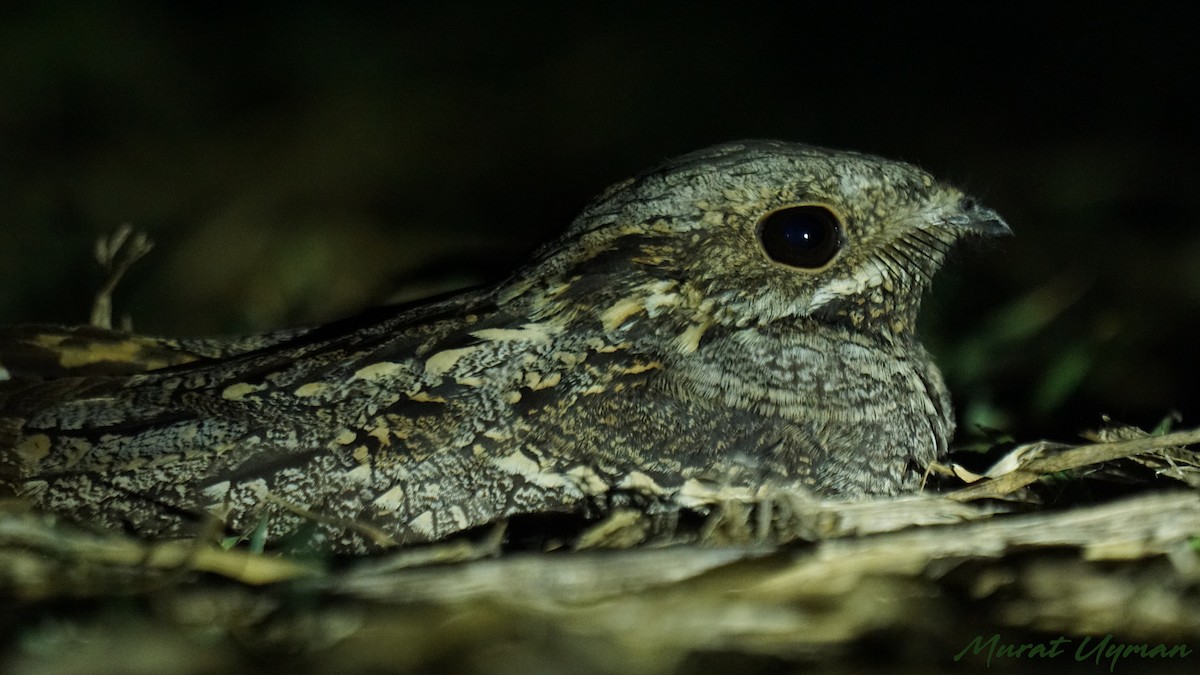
653	355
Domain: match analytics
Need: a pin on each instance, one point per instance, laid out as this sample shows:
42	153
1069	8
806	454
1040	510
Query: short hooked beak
980	219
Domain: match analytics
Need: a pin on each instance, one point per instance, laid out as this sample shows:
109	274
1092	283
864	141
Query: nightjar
737	320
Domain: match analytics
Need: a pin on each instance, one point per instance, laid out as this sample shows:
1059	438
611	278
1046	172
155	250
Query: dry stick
33	536
1071	459
117	253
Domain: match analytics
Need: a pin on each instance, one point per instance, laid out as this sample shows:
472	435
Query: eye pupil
801	236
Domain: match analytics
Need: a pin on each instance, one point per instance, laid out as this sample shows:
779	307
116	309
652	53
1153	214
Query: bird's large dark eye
801	236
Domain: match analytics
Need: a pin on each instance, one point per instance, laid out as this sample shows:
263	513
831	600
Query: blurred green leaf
1167	423
1063	377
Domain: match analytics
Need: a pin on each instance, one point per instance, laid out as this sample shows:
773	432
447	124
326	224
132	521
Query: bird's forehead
798	172
697	190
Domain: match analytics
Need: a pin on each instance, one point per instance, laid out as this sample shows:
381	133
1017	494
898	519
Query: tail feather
48	352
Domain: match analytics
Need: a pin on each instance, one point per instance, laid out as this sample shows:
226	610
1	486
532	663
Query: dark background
295	162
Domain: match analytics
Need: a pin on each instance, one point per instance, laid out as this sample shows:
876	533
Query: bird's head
755	233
